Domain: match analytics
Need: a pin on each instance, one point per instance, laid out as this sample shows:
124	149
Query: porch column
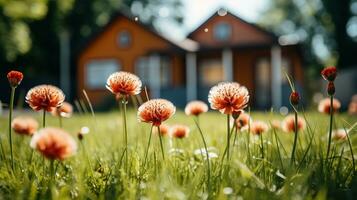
276	87
65	74
191	76
154	76
227	61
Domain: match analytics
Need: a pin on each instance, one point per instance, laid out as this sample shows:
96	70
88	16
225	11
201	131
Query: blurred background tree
31	30
326	28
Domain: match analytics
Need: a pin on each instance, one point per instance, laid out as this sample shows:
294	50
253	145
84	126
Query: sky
197	11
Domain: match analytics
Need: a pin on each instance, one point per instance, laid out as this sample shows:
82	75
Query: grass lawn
262	171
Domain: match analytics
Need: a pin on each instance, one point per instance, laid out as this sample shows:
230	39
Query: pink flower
228	98
156	111
288	124
54	143
325	104
259	127
196	108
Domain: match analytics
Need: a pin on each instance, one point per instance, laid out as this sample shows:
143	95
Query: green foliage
319	24
97	170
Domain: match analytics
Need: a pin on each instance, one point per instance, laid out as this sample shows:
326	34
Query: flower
228	97
196	108
352	107
24	125
339	134
54	143
15	78
84	131
243	120
324	105
65	110
45	97
164	129
329	73
259	127
124	83
156	111
288	124
179	131
294	98
275	124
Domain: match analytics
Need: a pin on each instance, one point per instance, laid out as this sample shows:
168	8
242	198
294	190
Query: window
211	72
124	39
222	31
142	69
97	72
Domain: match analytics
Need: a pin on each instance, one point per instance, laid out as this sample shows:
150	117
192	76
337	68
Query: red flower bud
15	78
294	98
330	88
329	73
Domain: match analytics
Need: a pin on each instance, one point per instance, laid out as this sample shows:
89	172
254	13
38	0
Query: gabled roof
128	15
258	28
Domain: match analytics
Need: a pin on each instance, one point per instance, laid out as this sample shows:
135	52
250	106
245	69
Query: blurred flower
164	129
324	105
179	131
45	97
228	97
156	111
54	143
65	110
212	152
339	134
84	131
329	73
294	98
288	124
196	108
352	107
15	78
124	83
243	120
276	124
24	125
259	127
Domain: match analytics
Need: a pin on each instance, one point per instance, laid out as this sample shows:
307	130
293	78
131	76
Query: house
223	48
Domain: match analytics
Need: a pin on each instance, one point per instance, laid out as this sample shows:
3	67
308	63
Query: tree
320	25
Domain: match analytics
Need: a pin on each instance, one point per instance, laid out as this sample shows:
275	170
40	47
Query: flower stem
10	130
207	154
330	130
295	138
161	145
148	146
124	102
228	136
44	119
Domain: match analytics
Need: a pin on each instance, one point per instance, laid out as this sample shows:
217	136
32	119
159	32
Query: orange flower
54	143
243	120
14	78
325	104
164	129
179	131
65	110
228	97
288	124
45	97
24	125
352	107
259	127
156	111
196	108
339	134
124	83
